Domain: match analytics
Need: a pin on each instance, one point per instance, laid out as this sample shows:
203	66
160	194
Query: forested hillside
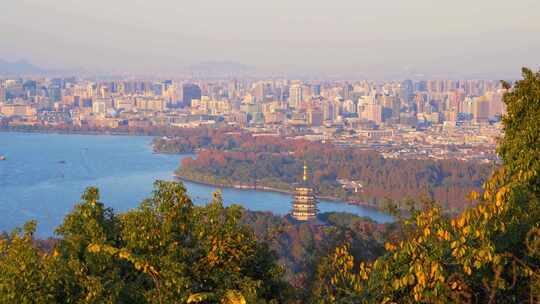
381	179
228	157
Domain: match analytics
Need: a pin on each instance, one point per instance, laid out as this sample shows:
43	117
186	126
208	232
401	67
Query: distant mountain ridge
19	67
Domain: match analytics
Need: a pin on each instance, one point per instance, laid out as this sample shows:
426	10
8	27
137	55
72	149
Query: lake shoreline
275	190
66	132
35	186
233	186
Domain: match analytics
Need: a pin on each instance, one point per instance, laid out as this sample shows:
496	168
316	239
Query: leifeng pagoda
304	206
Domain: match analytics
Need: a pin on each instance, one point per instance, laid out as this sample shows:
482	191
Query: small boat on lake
2	157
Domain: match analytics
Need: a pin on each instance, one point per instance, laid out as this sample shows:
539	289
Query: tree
88	276
488	253
194	254
165	251
24	271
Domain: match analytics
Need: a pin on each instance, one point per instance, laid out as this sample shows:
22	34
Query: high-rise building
481	110
17	110
316	89
104	91
349	106
295	96
100	106
304	206
451	116
373	112
55	93
2	94
30	88
338	107
496	105
190	91
59	82
396	107
347	91
91	90
421	102
391	104
406	90
328	110
259	91
420	86
158	88
314	117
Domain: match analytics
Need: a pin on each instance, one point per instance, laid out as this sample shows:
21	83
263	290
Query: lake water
45	174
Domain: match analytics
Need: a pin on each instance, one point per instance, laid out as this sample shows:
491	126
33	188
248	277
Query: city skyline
282	151
441	113
379	40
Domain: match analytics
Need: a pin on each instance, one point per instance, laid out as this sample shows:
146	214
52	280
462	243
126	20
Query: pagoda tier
304	204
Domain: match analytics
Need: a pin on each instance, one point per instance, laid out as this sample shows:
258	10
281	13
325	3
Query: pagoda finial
305	171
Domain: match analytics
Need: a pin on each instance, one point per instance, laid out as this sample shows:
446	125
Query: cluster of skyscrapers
399	118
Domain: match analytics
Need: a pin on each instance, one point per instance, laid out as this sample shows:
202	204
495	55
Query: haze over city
375	39
280	151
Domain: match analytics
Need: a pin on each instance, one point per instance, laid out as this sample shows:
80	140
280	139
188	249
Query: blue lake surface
45	174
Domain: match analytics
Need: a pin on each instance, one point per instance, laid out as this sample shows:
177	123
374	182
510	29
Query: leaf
199	297
233	297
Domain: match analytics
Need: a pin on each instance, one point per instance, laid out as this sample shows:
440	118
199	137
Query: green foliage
165	251
89	277
489	253
301	245
446	180
24	271
169	251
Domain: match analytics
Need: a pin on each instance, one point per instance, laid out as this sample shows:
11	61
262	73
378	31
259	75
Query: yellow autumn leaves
436	245
230	297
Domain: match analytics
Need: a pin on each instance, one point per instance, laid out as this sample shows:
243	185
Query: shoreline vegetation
239	159
178	175
62	132
81	131
358	177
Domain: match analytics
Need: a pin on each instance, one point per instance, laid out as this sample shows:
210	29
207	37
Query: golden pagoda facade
304	205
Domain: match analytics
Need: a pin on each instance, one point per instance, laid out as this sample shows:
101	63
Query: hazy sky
377	36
